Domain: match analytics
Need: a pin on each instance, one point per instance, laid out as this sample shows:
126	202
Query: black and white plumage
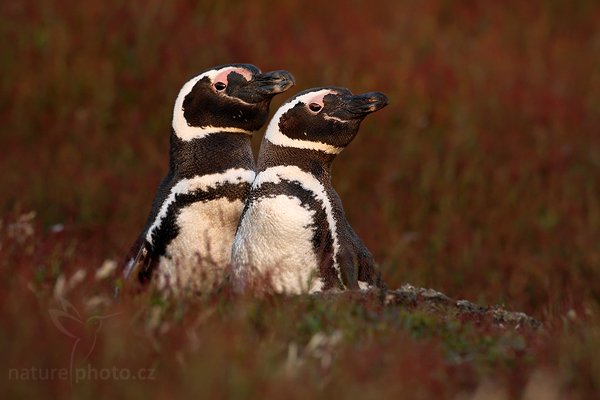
187	238
293	229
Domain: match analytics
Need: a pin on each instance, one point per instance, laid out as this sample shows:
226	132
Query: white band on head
180	126
275	136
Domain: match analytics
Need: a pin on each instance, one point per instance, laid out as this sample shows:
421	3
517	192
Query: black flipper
368	271
355	261
139	265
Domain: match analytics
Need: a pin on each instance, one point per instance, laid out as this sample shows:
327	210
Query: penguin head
323	119
231	98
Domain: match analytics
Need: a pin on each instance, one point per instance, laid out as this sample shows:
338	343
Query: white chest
275	239
201	252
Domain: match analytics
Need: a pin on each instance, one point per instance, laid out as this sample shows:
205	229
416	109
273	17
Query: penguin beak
363	104
272	83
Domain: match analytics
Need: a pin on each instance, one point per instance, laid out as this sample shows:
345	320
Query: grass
480	179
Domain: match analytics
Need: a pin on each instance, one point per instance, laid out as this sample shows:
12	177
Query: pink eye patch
318	98
222	76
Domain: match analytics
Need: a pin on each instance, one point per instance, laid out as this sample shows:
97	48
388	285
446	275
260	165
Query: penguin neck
211	154
316	162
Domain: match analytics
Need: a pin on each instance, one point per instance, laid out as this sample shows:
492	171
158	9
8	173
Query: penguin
293	233
186	242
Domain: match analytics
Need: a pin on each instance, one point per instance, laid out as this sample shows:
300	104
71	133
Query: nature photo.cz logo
84	334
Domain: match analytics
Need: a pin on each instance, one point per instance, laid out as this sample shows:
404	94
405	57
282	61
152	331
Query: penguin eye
220	86
314	107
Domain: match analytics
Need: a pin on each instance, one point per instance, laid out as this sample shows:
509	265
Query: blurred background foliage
483	173
480	179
